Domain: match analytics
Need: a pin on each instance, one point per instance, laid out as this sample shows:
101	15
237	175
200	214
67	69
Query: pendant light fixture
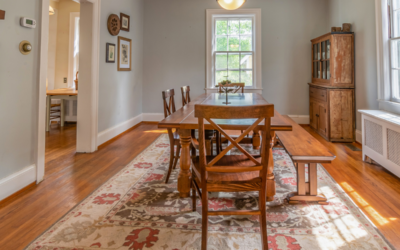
231	4
51	11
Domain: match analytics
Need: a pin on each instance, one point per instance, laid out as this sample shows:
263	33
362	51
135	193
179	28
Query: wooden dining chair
236	87
185	95
232	173
174	140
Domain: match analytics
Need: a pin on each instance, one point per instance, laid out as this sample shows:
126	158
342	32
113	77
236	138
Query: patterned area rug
136	210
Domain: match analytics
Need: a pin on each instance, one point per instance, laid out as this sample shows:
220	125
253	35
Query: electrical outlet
65	80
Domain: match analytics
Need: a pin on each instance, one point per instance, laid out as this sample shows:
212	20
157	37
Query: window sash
394	54
239	35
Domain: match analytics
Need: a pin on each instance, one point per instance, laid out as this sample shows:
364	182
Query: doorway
85	51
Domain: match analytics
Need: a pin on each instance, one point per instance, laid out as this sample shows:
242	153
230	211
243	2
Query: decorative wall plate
113	25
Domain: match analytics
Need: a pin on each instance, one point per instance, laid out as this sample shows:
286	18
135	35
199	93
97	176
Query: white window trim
211	14
383	59
72	21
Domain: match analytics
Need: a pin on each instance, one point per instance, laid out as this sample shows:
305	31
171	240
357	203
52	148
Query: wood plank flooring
70	177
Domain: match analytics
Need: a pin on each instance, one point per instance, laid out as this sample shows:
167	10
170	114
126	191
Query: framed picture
125	22
110	52
124	54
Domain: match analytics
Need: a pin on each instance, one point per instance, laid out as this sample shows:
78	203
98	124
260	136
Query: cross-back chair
232	173
185	95
174	140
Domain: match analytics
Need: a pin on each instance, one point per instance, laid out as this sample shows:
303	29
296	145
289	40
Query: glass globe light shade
231	4
51	11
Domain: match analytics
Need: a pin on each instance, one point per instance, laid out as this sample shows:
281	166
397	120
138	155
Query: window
234	48
394	40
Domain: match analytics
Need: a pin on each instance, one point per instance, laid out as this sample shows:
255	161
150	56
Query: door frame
87	117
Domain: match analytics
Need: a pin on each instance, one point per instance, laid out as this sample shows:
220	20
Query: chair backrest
169	102
236	87
185	95
259	112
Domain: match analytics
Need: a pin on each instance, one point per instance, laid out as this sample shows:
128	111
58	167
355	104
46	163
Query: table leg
48	106
271	191
184	177
62	113
256	139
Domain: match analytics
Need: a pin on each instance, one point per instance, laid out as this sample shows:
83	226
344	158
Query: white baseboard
17	181
110	133
300	119
359	136
152	117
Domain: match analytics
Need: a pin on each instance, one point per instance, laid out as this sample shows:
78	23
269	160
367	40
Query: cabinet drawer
319	94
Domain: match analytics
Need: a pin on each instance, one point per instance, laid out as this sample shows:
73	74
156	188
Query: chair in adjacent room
232	173
174	140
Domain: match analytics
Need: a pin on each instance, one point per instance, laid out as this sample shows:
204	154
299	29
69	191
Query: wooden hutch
332	109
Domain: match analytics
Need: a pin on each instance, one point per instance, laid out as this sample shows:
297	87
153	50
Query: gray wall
361	14
174	48
18	87
120	92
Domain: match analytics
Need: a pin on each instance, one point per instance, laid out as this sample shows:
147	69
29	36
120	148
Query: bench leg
306	191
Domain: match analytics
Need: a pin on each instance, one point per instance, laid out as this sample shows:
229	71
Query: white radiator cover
381	138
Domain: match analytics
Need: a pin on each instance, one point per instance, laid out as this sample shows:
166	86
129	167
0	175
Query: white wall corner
300	119
112	132
153	117
359	136
17	181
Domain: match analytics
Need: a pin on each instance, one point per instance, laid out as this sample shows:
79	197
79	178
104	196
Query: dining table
184	121
61	94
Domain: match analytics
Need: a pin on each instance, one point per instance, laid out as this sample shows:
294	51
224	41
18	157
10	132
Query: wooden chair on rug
232	173
174	140
185	95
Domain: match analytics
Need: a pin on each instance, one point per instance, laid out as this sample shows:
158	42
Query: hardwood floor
70	177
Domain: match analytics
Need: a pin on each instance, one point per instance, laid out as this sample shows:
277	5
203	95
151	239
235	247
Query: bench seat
304	150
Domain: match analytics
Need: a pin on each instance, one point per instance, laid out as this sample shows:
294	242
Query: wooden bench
304	149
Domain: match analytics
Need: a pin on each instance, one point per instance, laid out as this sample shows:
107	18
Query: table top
184	117
66	91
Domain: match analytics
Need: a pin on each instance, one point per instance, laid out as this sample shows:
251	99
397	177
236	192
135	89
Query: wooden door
342	60
314	113
342	116
322	120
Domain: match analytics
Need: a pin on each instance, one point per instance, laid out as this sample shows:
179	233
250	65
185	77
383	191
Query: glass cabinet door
316	61
325	59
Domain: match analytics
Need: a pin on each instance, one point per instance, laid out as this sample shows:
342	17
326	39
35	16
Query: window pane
395	50
246	43
233	76
396	4
233	61
220	76
221	61
246	61
328	70
316	51
396	23
246	27
233	43
396	83
247	77
222	27
233	27
328	49
222	43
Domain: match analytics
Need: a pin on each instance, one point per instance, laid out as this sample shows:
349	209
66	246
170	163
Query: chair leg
193	196
178	154
171	161
263	220
204	217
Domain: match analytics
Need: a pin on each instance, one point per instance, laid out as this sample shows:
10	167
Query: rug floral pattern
136	210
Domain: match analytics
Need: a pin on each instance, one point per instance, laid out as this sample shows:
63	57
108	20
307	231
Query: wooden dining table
62	94
184	121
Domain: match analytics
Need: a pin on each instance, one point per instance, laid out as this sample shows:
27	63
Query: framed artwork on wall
125	22
110	52
124	54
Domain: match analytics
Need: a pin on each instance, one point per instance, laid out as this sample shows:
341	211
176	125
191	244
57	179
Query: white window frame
212	15
385	97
